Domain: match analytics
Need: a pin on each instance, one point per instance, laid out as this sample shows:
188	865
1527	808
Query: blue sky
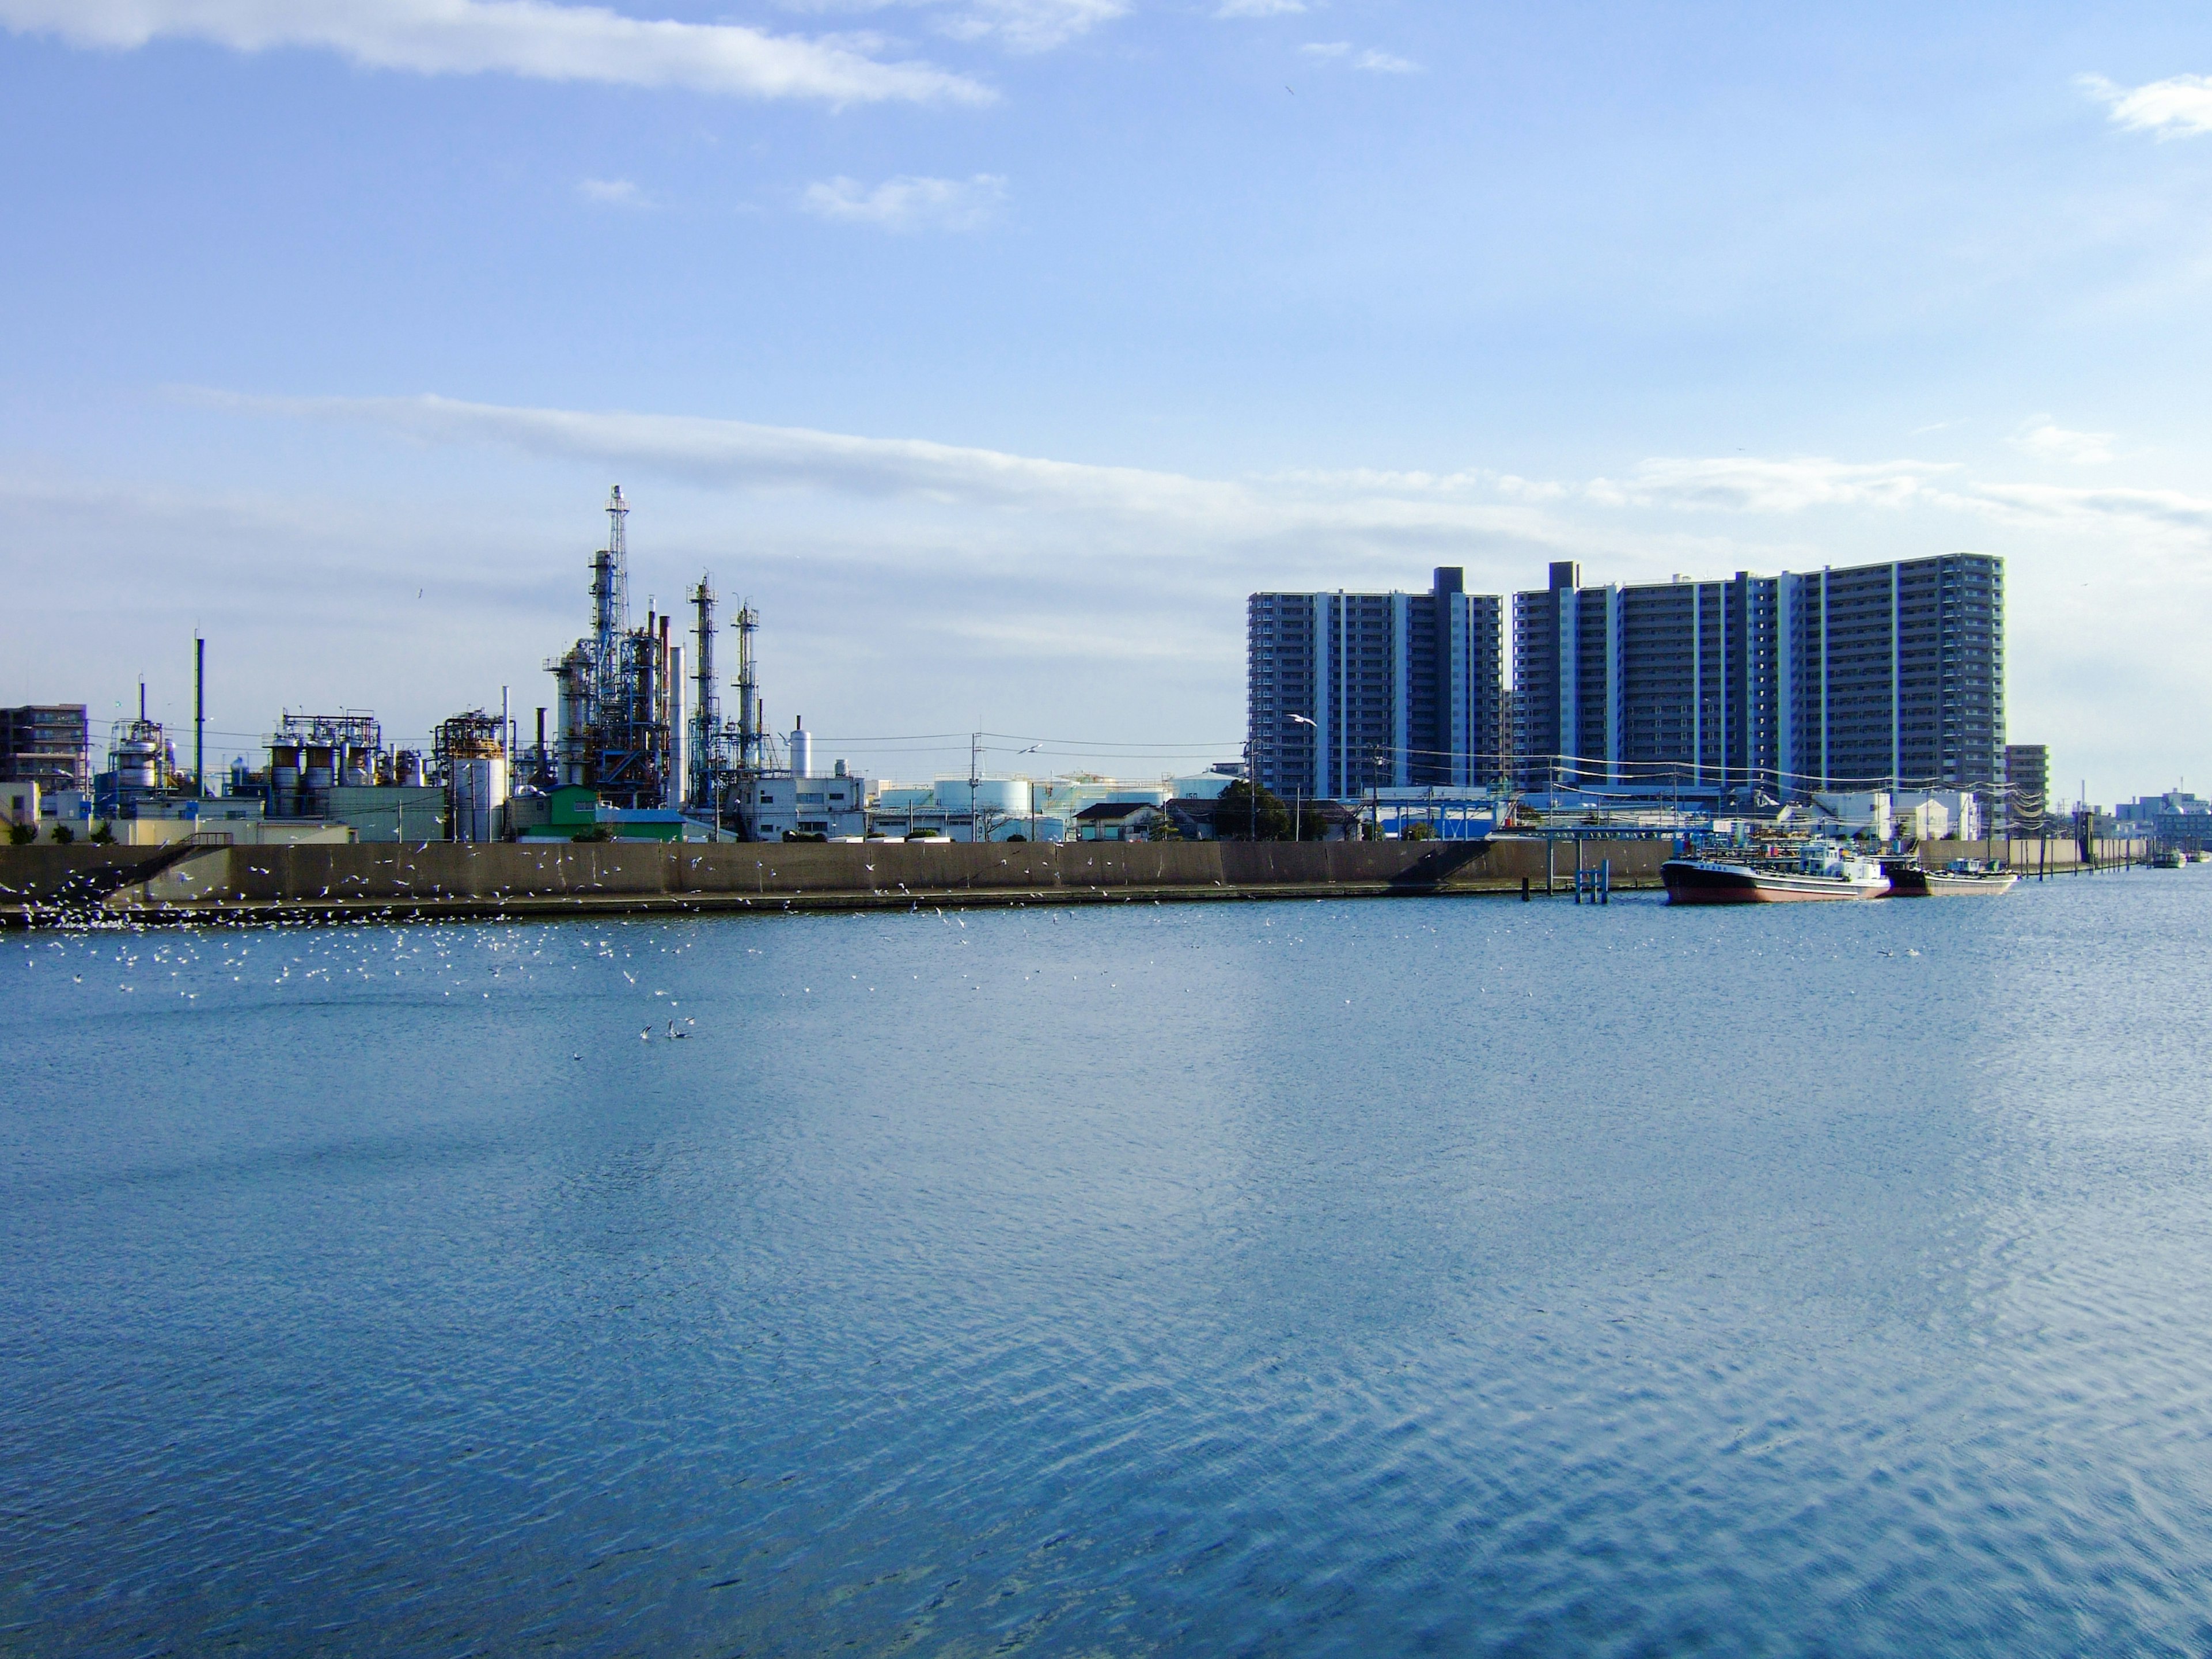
996	348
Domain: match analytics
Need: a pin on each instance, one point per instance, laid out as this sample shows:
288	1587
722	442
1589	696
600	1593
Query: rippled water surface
1459	1276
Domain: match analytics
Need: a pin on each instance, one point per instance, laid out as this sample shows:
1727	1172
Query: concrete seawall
252	883
439	878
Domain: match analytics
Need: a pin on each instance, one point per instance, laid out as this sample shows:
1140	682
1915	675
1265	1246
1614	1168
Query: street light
1298	795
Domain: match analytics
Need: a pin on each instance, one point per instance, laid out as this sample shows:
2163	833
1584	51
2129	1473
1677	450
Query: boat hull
1942	884
1911	881
1697	881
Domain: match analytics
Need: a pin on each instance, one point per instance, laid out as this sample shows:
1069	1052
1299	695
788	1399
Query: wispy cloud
2048	441
532	38
610	192
1377	63
908	203
1015	25
1261	7
1750	483
1031	25
2178	106
1336	509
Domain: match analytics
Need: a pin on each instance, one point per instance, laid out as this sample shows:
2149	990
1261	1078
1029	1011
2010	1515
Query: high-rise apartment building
46	744
1877	675
2028	786
1350	691
1657	682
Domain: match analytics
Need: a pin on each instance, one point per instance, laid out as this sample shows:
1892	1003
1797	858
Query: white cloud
2169	515
1261	7
909	204
2176	107
1031	25
610	192
1015	25
534	39
2049	442
1750	483
1379	62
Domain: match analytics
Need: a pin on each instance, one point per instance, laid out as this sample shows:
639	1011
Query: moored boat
1961	878
1822	870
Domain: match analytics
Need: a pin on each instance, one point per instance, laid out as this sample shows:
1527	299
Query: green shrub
64	835
102	836
22	834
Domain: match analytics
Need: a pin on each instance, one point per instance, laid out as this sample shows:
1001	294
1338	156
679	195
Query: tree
1236	811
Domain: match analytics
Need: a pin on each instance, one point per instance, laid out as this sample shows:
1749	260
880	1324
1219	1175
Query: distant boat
2166	858
1823	871
1959	878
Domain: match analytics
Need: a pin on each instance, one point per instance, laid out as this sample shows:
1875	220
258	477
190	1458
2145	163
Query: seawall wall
40	884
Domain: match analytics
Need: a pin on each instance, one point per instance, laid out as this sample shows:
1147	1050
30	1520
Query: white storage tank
802	750
479	795
1008	796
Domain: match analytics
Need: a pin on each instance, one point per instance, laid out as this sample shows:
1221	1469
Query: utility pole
199	719
975	812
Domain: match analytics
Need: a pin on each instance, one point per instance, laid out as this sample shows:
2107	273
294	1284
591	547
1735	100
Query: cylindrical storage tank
802	751
407	769
1007	796
283	779
138	763
354	772
571	714
479	794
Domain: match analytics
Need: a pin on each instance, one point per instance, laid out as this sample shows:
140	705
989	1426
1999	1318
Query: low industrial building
389	812
2176	819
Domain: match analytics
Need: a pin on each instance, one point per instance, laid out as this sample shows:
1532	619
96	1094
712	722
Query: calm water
1444	1276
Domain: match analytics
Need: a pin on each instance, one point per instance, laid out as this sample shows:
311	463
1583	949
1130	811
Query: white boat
1823	871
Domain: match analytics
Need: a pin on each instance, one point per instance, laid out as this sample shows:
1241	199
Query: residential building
2028	787
1658	684
1347	692
46	744
1119	820
1877	676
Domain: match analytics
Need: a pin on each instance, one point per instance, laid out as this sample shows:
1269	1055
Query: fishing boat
1959	878
1822	870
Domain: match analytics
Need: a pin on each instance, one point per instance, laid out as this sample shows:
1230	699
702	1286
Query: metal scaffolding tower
617	733
707	762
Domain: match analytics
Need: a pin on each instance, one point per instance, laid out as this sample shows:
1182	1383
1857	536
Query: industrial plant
1667	709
